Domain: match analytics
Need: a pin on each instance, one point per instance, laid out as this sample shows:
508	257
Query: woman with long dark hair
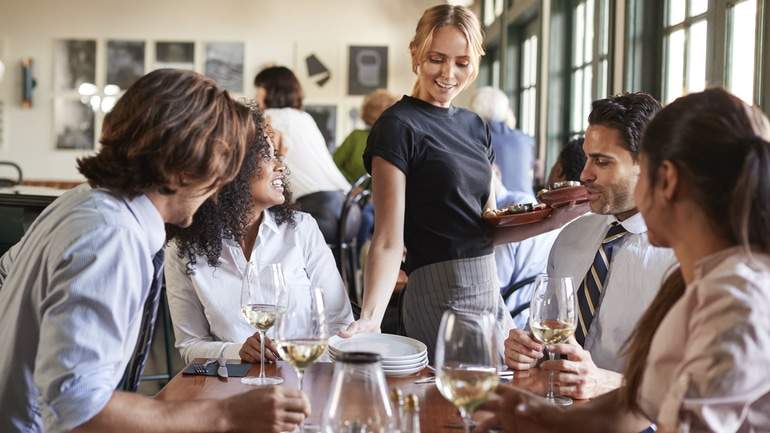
698	359
249	223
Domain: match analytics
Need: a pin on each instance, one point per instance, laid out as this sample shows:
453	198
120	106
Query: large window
492	9
590	77
741	46
685	39
528	87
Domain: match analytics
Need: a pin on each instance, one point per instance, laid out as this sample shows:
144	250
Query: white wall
278	31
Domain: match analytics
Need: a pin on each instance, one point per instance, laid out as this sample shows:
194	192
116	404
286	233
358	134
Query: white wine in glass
261	316
553	319
302	335
264	299
466	361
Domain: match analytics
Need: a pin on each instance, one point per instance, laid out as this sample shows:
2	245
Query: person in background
431	165
520	261
615	269
249	225
280	94
319	186
79	292
513	148
697	359
349	157
570	162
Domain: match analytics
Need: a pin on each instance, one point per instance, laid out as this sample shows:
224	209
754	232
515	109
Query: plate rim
417	344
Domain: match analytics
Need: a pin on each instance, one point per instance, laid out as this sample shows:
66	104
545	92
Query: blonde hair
439	16
374	104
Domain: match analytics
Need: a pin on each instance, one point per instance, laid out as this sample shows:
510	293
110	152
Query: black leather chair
8	181
347	248
513	287
326	208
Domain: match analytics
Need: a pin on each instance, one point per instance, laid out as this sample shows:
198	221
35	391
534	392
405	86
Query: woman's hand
360	326
250	350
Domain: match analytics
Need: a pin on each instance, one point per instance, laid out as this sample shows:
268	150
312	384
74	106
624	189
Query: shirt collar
710	262
634	224
269	221
149	217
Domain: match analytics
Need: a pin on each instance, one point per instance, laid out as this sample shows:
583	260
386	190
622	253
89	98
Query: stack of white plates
401	356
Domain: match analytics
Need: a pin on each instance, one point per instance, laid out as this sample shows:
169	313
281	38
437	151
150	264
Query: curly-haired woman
248	224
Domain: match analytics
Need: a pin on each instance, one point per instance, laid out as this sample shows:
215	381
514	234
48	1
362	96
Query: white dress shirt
308	159
71	298
205	306
635	274
707	369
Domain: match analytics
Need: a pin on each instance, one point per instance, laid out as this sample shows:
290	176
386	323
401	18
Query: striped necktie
135	367
590	289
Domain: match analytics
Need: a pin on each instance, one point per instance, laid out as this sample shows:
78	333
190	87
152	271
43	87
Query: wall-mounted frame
224	62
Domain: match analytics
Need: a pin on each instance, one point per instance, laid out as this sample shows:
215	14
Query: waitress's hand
360	326
564	214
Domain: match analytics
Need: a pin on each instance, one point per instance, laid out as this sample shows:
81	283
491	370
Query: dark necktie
591	288
135	367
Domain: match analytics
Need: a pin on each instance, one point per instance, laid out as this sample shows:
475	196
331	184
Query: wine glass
553	319
301	335
264	298
466	360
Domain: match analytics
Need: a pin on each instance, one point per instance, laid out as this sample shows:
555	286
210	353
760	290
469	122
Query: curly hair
628	113
227	214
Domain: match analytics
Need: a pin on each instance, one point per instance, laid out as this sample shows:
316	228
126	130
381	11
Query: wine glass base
560	401
261	381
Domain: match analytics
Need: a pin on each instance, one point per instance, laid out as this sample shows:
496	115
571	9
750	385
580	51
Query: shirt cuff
231	351
75	407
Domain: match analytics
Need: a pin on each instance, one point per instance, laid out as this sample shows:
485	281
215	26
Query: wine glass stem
300	377
261	354
467	422
551	395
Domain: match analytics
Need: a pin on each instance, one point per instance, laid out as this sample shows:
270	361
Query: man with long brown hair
79	292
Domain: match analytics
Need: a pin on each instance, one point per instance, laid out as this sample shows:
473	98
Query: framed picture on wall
74	124
367	69
325	117
177	55
74	63
125	62
224	63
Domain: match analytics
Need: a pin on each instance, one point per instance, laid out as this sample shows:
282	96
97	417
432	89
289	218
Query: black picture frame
367	69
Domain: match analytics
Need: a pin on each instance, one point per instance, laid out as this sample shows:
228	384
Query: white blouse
205	306
634	277
308	159
708	369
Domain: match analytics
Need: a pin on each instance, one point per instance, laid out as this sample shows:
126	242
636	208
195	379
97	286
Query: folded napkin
233	370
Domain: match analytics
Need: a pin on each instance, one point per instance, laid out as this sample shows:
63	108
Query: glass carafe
359	397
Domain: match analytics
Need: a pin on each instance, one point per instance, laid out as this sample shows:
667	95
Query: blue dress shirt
71	298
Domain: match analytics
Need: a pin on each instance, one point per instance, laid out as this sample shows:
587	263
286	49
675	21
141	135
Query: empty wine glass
553	319
264	298
466	360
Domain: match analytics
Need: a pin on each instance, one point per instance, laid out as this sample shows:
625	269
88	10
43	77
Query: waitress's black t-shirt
446	156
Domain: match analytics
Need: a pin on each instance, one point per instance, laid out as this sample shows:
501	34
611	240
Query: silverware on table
222	370
200	367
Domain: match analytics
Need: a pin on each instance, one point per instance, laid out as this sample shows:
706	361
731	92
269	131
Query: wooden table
436	413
